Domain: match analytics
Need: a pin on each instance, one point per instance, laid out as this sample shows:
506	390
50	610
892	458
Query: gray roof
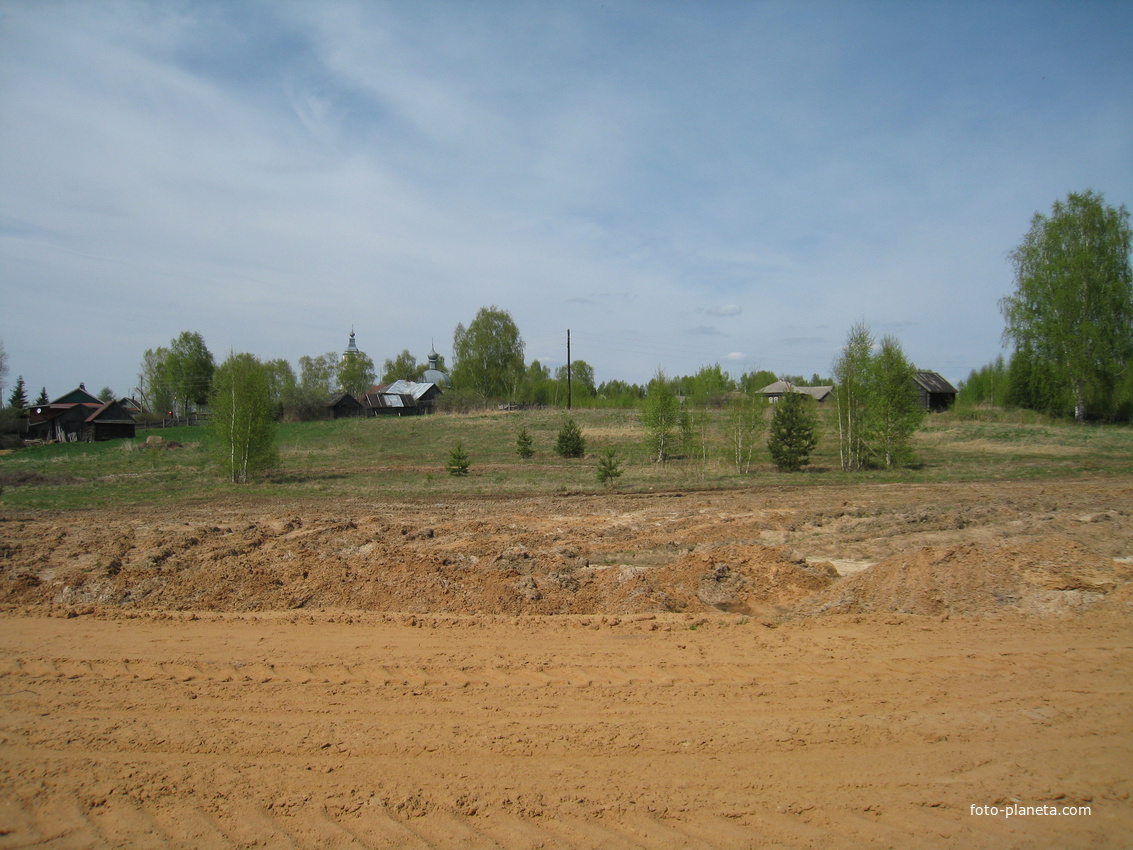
436	376
412	388
782	387
932	382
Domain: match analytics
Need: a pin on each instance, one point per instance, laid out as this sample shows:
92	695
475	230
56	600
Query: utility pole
568	370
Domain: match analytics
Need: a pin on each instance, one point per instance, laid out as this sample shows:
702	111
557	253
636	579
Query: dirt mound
1051	575
746	578
743	579
25	477
739	552
461	565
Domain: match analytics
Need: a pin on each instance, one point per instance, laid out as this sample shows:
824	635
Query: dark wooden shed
344	406
392	404
937	395
112	421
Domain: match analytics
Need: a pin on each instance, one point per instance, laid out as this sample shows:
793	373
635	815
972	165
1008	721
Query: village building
79	416
777	390
936	394
345	406
402	398
408	398
433	375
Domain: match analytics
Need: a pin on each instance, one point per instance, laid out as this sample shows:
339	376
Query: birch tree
746	421
851	395
242	431
488	355
897	411
1072	309
661	418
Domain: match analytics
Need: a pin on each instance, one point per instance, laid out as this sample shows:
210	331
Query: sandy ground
669	670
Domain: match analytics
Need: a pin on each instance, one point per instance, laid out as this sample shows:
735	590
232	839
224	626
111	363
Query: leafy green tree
489	355
852	377
153	389
319	374
304	397
709	385
18	400
42	399
794	432
746	421
1031	386
897	409
356	373
106	394
241	428
404	367
537	387
753	382
187	371
986	385
281	384
581	382
1072	309
620	394
570	442
661	416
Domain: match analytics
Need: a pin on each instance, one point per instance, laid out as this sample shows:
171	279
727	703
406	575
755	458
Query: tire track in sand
503	676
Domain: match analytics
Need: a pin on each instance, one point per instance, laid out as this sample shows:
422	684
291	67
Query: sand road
669	730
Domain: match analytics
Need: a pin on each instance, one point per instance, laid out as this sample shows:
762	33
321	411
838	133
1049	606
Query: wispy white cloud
724	310
270	174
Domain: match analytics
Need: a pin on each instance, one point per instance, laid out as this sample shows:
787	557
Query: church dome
433	375
351	347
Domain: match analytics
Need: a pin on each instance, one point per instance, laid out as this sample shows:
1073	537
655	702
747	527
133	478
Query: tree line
175	380
1069	322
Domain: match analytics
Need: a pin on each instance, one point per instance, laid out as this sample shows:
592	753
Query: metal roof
411	388
782	387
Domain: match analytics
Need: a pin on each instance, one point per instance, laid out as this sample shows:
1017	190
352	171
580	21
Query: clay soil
809	666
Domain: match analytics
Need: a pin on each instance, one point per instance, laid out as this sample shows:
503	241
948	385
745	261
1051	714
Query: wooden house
402	398
112	421
936	394
777	390
381	402
78	415
344	406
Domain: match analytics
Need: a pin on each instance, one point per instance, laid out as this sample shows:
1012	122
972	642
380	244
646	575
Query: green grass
405	459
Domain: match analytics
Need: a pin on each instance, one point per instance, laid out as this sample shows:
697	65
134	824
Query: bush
662	418
609	467
458	461
570	443
794	432
524	446
12	428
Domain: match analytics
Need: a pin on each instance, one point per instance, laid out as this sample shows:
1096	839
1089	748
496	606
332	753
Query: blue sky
679	184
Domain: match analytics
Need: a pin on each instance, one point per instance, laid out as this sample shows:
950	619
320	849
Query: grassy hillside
405	458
